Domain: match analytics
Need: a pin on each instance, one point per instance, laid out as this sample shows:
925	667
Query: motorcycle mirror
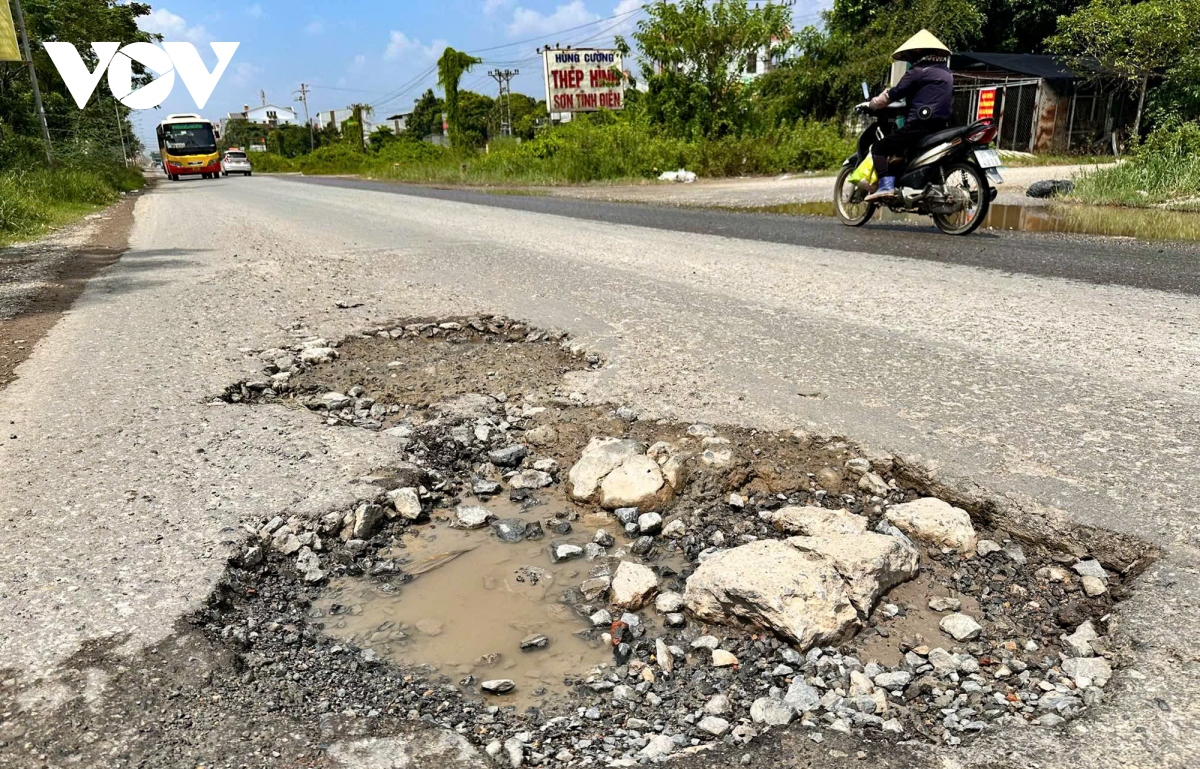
866	91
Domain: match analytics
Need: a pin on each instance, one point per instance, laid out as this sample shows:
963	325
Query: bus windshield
189	139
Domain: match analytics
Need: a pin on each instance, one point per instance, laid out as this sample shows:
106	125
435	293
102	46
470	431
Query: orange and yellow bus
188	144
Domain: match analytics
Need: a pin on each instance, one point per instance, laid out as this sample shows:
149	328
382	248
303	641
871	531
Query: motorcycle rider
929	88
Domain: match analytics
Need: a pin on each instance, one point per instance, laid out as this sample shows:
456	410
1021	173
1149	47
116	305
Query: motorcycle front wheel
848	200
968	179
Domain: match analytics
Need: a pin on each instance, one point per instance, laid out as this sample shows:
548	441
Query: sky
379	52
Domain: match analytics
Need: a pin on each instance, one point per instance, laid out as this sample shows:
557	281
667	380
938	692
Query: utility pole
312	144
121	131
37	91
504	78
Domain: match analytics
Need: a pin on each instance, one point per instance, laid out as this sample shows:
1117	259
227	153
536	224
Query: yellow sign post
9	50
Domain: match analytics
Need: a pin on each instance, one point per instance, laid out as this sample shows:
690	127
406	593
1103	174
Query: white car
235	162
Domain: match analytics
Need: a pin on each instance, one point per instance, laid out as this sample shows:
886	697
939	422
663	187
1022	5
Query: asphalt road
1164	266
1057	372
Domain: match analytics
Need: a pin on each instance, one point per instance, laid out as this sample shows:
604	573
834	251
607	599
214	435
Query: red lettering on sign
564	102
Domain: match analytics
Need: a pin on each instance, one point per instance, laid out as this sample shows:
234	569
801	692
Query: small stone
873	484
252	557
596	588
706	642
633	585
509	456
944	603
535	641
308	564
858	466
674	529
668	603
892	725
515	751
675	620
658	747
723	659
650	523
662	654
642	546
602	618
801	696
986	547
771	711
510	529
366	520
1079	643
1052	574
737	501
713	725
564	551
1089	671
894	680
470	517
530	479
717	705
1093	586
626	515
604	539
1090	569
960	627
406	502
498	686
485	488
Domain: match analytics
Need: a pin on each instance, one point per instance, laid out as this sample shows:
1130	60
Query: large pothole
411	616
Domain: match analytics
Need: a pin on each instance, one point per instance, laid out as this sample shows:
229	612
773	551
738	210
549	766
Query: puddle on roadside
474	599
1143	224
917	620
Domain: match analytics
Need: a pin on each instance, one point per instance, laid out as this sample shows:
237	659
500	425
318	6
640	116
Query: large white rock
632	586
636	483
870	563
814	521
934	521
773	585
600	457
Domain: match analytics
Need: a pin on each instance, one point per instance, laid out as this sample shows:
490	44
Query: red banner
987	104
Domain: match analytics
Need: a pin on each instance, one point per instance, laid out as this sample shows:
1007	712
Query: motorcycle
951	178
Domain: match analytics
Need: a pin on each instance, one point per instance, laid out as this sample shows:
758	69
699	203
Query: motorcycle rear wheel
852	212
971	180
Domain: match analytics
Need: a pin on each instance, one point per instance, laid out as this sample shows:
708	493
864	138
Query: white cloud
491	6
401	45
360	61
244	73
527	22
256	11
171	26
315	27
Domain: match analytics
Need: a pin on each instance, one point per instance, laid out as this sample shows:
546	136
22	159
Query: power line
540	38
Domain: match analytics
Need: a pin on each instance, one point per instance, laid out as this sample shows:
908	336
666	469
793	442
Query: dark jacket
929	89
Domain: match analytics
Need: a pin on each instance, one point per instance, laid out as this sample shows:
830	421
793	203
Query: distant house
270	115
1040	104
398	123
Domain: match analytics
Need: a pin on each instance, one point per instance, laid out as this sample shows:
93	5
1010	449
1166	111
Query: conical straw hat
920	43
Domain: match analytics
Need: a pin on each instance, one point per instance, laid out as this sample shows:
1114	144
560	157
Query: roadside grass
1163	171
581	153
1025	160
35	199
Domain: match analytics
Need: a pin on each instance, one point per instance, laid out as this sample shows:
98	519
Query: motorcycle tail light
984	135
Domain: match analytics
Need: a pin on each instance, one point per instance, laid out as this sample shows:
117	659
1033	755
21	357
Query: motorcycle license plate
993	175
988	158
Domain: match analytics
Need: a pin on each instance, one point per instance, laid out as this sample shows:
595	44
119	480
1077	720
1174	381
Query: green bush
1163	169
270	163
333	159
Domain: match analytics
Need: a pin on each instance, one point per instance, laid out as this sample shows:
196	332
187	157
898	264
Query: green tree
823	80
95	132
451	67
426	118
1133	42
475	113
691	52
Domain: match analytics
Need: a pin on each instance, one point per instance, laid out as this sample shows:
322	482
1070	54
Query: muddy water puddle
474	601
916	624
1143	224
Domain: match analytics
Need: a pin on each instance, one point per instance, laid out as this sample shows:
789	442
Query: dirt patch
22	326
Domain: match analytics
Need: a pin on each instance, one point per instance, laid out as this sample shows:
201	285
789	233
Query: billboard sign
584	80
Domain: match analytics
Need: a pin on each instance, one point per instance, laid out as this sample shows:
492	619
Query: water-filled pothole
665	680
479	608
